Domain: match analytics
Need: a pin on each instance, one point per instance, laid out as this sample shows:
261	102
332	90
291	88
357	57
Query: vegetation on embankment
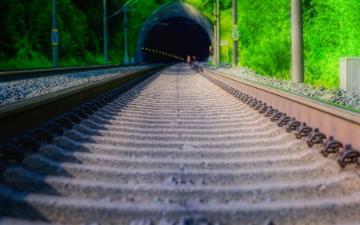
331	30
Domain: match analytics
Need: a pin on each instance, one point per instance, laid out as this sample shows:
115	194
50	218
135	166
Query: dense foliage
26	26
331	30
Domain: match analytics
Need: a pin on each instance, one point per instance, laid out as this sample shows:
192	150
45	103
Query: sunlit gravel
27	88
336	96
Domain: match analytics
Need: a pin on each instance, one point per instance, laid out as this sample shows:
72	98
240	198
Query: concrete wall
350	74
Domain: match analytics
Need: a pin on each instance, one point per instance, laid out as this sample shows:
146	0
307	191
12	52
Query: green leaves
331	31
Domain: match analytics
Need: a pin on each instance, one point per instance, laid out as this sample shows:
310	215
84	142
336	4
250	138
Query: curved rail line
175	150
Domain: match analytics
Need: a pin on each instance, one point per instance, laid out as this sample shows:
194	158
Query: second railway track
178	150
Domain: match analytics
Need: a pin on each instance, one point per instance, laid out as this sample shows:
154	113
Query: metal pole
297	42
218	40
215	37
126	49
54	35
227	53
235	34
105	32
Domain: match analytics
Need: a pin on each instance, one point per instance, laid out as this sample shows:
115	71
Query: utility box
350	74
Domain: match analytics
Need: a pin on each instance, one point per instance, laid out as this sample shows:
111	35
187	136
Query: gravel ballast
334	96
13	91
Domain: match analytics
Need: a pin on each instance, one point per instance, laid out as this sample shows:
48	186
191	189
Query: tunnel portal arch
175	14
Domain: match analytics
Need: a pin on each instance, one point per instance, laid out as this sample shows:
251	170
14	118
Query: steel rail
12	75
19	117
173	141
333	121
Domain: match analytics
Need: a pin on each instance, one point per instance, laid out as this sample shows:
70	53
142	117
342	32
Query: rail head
19	117
334	121
337	111
13	75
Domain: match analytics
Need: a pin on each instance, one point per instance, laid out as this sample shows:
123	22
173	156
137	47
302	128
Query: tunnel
173	32
178	36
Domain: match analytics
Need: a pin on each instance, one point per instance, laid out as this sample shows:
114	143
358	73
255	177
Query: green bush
331	31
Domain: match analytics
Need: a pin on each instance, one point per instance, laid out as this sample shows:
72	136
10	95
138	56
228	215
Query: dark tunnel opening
178	36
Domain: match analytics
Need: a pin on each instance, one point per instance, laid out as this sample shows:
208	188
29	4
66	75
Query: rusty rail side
13	75
332	121
19	117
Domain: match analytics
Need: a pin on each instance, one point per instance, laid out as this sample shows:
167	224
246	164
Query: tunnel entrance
178	29
178	36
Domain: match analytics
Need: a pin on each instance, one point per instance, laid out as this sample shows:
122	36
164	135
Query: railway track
13	75
177	149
